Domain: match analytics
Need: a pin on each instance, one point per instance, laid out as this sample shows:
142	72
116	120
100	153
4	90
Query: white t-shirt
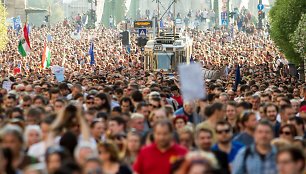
38	151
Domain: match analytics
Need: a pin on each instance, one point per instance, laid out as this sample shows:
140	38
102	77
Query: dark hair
291	127
298	120
106	105
119	120
269	105
210	110
112	149
48	120
127	99
12	110
245	105
56	150
284	107
27	98
39	97
69	167
137	96
7	154
245	116
69	141
296	154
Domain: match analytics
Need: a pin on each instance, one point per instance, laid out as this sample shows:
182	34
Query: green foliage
3	28
284	19
298	38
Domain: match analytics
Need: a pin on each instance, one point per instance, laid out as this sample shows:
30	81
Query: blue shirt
244	138
253	163
236	146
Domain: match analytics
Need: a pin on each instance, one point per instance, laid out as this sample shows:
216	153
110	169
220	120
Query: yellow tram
166	52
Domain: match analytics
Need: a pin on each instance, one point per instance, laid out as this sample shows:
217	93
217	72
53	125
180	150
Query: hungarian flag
24	43
46	57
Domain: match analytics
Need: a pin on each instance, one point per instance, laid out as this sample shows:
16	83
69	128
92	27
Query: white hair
30	128
136	116
85	145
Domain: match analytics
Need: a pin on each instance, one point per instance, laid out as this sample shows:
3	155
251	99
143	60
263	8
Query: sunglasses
285	132
153	106
89	102
223	131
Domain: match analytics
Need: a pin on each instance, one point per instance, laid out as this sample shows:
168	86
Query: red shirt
179	100
151	160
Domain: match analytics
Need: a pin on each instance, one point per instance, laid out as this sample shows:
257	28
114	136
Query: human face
145	111
255	103
11	142
10	102
204	141
263	135
185	140
33	137
125	107
271	113
104	154
251	123
58	106
90	103
287	113
92	167
98	130
188	108
162	136
114	127
286	165
179	124
54	163
295	106
224	134
133	143
231	112
286	134
138	124
26	104
98	102
264	99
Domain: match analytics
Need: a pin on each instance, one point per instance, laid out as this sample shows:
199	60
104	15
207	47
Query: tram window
164	61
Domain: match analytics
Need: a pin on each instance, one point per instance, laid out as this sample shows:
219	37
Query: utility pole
158	20
174	20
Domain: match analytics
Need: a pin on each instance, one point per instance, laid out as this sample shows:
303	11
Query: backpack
246	154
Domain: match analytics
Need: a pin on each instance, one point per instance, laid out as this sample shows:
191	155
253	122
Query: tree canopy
284	19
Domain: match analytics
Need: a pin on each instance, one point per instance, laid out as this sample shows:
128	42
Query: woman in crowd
32	135
54	157
98	130
133	145
291	160
109	154
287	132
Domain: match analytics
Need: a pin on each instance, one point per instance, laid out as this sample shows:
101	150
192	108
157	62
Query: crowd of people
114	117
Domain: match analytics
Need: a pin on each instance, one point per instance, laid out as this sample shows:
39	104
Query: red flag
26	35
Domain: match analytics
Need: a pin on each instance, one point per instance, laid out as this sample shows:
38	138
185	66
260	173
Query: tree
3	28
298	38
284	19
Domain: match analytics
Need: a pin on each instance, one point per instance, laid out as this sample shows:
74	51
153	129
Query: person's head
186	137
137	122
231	112
137	97
223	132
163	134
93	165
90	101
303	112
204	139
97	128
157	115
126	105
242	106
223	98
143	108
26	102
32	135
271	111
287	132
295	105
215	110
286	112
189	107
298	123
290	160
84	150
108	151
10	101
264	133
59	104
45	126
248	120
116	125
265	98
54	94
12	138
175	90
33	115
64	89
54	157
102	102
39	101
180	121
255	101
133	141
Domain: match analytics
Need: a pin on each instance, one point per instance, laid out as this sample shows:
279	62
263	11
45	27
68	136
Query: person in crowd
32	135
185	137
109	154
133	145
287	132
271	110
224	134
290	160
54	157
116	125
231	115
188	110
93	165
137	122
248	124
179	122
160	152
260	156
298	123
98	129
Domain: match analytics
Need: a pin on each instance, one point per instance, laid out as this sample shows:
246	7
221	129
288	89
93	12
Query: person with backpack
260	156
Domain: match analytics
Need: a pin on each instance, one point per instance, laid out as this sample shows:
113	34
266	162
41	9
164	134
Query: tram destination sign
158	47
143	24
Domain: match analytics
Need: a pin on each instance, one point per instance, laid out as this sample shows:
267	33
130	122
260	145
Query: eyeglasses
223	131
90	103
154	106
285	132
